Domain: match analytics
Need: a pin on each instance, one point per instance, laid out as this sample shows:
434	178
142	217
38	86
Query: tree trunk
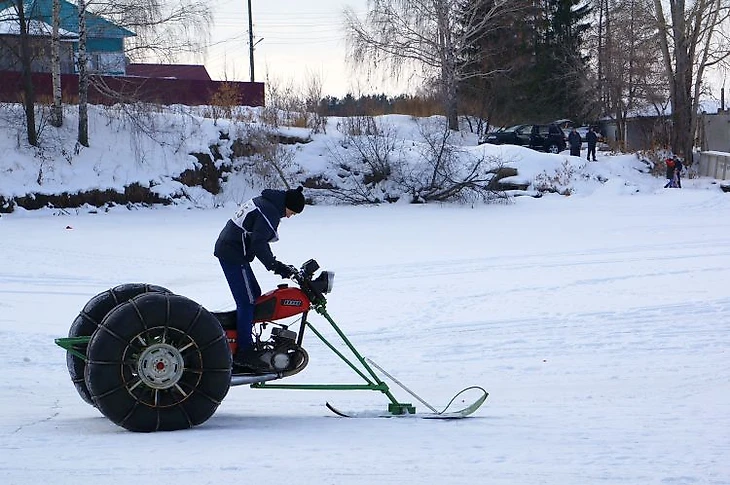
691	43
600	53
28	91
83	135
682	87
57	109
448	66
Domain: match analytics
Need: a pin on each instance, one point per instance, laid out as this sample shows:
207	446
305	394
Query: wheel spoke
185	347
180	390
135	385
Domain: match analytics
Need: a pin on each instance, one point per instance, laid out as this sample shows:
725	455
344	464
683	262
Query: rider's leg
245	290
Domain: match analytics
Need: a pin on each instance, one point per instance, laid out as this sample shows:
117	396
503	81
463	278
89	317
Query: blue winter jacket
251	229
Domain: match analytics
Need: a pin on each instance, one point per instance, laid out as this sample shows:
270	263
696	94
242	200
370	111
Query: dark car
544	137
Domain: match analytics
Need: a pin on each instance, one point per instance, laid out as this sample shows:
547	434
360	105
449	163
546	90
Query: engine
282	351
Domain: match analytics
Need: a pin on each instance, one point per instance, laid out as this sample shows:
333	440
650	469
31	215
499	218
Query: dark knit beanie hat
295	199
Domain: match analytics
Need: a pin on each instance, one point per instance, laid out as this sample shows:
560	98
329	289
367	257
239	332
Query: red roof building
169	71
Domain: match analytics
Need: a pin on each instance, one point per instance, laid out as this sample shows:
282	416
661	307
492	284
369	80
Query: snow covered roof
41	10
10	25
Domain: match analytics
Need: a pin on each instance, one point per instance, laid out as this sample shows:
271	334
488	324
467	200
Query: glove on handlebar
284	270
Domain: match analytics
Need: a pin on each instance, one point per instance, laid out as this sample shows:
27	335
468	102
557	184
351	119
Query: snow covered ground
599	324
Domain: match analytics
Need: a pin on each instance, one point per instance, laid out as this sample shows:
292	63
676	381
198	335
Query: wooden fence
110	90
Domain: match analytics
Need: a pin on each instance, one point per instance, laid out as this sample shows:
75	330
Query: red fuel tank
280	303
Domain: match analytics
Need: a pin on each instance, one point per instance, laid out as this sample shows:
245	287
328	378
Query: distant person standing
678	166
674	169
592	140
575	142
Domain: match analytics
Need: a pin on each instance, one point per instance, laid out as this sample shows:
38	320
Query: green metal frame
77	345
74	345
372	382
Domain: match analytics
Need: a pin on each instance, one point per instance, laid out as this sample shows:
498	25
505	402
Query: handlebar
315	288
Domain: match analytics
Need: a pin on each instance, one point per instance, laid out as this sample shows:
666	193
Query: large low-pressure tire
159	362
90	318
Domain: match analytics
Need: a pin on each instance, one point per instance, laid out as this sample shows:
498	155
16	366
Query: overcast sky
294	42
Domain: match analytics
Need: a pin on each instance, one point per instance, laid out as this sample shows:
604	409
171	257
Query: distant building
104	40
645	128
105	49
40	33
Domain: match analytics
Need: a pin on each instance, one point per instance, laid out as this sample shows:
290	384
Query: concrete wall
715	164
715	132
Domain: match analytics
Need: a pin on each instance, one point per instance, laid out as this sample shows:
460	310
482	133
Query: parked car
565	124
544	137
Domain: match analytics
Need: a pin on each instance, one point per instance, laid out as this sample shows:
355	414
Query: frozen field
599	325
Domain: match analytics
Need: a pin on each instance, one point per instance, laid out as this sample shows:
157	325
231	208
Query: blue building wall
102	35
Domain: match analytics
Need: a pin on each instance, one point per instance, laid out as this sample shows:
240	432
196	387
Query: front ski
444	414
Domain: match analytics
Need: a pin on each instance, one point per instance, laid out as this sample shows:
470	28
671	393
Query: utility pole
250	39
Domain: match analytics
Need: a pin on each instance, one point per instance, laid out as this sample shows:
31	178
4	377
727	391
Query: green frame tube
375	384
74	345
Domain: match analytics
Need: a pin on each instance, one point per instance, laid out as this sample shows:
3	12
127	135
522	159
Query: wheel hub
160	366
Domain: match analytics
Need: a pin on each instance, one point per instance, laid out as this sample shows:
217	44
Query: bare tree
629	74
163	28
446	172
424	33
364	160
269	161
16	17
312	98
692	37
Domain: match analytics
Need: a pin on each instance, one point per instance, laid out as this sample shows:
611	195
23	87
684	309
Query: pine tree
493	60
560	71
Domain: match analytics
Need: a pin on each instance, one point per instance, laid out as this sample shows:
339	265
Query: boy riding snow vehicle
151	360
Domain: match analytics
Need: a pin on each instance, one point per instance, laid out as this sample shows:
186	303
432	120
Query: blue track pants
245	290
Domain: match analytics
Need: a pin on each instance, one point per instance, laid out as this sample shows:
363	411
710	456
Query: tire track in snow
444	267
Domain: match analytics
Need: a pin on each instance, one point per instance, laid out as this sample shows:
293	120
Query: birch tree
56	109
693	37
424	34
83	132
